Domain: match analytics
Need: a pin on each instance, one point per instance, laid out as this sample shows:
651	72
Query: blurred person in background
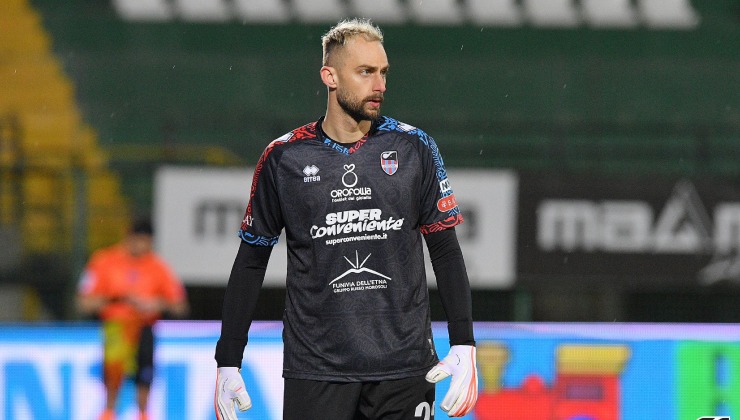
128	287
355	192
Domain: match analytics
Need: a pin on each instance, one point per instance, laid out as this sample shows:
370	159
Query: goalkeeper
355	193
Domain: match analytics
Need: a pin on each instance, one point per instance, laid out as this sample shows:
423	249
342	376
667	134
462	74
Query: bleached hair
346	30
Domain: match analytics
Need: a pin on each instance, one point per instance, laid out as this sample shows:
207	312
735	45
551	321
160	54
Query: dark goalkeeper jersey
357	303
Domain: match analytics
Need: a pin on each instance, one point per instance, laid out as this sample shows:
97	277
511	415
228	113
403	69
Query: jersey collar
339	147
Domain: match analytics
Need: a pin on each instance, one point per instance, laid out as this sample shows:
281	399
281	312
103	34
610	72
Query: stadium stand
51	166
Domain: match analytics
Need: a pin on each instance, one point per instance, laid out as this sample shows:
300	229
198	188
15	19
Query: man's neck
342	128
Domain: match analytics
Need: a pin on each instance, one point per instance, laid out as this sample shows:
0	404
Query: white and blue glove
230	389
463	393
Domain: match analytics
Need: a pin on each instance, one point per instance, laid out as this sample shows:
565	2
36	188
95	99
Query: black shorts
127	356
145	358
402	399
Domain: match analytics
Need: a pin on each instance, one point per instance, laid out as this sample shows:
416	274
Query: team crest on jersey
389	162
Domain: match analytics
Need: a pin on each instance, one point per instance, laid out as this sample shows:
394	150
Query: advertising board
527	371
630	232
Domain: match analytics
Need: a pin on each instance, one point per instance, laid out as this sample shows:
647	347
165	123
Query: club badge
389	162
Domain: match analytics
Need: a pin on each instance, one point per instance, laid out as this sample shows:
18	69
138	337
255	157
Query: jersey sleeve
91	283
171	288
439	210
263	219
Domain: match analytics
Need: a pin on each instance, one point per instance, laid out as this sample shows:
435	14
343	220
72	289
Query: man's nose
379	85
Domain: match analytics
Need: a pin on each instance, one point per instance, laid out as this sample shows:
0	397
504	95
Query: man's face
138	244
361	71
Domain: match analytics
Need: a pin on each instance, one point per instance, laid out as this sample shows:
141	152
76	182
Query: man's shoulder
109	253
304	132
155	260
386	123
291	138
413	133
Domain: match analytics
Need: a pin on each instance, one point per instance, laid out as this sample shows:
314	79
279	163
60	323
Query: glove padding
230	389
463	392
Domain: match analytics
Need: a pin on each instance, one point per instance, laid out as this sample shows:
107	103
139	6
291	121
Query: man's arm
453	284
179	309
90	305
240	301
454	290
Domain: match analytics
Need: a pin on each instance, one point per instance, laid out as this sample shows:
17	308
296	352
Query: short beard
355	108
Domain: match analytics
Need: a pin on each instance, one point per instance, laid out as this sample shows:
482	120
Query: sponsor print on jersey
444	186
349	179
248	220
369	223
348	281
446	204
389	162
351	192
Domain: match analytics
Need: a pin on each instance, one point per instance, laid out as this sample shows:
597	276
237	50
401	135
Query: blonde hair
346	30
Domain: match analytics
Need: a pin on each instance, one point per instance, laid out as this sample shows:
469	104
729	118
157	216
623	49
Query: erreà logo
311	173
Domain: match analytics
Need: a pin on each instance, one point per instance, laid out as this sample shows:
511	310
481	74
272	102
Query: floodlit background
593	145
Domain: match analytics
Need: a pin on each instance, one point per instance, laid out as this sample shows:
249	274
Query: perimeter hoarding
630	232
198	211
527	371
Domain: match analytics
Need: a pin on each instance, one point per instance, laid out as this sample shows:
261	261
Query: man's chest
131	279
384	173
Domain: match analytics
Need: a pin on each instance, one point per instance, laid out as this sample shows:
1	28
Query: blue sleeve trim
257	239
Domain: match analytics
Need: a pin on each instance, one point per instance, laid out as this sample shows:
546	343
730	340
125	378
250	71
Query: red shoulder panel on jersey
307	131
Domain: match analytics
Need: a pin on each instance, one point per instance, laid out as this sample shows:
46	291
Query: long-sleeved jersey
357	302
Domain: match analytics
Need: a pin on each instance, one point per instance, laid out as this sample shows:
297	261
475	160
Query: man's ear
329	76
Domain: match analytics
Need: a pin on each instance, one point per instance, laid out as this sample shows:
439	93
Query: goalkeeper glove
229	389
463	392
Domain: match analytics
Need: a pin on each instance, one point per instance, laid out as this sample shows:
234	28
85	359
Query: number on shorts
424	411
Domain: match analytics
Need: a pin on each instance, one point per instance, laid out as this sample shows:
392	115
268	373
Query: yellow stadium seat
48	204
22	34
107	210
13	6
41	130
103	189
48	137
52	96
88	155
